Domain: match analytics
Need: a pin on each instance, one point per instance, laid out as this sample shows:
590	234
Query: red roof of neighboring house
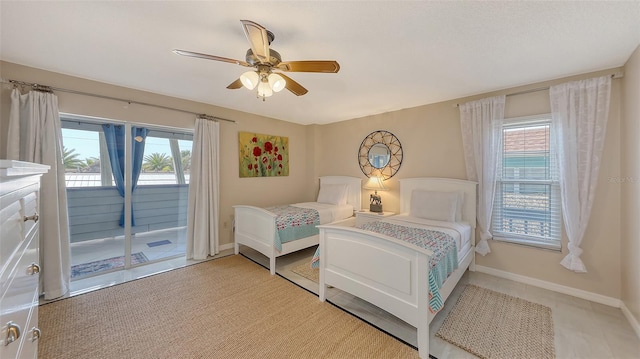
526	139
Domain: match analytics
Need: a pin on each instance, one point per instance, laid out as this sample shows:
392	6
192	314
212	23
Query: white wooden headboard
407	186
353	183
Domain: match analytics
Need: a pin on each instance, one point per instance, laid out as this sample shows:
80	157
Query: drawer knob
34	218
33	268
13	333
35	334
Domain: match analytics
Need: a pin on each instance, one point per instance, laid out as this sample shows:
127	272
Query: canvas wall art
263	155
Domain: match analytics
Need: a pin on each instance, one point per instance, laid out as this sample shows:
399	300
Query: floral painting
263	155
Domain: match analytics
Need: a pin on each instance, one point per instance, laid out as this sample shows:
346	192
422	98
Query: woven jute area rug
304	269
224	308
495	325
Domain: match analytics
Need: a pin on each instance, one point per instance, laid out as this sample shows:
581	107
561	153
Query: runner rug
494	325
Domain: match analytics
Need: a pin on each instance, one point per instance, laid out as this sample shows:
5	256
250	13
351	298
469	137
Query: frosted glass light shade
264	90
276	82
250	79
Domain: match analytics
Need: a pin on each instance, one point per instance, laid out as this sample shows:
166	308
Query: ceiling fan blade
310	66
258	38
235	85
210	57
293	86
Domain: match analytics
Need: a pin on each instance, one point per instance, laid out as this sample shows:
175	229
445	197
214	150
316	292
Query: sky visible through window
86	145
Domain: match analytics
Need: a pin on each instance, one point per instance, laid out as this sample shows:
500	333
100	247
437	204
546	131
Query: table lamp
375	202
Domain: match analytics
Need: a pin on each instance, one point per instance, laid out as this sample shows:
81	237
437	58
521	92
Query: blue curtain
115	137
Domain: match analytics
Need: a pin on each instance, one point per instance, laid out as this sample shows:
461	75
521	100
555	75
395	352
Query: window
166	160
86	162
527	201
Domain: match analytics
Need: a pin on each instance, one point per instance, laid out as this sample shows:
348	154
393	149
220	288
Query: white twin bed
394	274
259	229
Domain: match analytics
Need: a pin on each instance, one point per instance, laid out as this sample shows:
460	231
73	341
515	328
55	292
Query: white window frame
555	242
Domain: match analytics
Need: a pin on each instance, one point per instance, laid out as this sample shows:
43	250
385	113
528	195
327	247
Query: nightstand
365	216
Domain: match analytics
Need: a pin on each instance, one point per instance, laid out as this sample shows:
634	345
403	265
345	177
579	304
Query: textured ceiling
393	54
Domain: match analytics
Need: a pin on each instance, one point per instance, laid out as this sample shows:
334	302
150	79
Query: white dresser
19	257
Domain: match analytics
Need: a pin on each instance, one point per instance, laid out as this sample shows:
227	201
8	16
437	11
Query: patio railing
94	212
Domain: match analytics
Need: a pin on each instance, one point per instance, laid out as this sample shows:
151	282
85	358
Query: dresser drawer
19	296
29	213
31	334
11	233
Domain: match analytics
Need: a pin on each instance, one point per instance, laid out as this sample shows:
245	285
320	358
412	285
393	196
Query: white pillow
333	194
438	206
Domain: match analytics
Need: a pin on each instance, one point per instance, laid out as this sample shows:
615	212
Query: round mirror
379	155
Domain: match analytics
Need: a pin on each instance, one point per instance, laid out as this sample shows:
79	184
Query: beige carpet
304	269
225	308
495	325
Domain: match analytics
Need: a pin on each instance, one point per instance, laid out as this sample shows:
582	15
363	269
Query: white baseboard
224	247
632	320
583	294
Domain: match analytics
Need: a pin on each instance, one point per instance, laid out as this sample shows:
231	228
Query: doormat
159	243
84	269
494	325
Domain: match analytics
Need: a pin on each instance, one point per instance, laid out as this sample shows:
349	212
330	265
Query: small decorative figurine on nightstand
375	203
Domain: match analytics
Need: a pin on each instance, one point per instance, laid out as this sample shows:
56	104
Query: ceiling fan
266	62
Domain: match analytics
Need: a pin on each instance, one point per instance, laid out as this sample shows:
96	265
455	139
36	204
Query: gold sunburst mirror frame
380	154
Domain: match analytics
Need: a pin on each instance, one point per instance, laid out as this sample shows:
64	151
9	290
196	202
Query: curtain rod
617	75
38	87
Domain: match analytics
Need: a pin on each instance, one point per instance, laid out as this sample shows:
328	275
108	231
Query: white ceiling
393	54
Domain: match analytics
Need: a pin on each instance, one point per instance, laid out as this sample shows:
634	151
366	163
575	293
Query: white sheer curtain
579	110
481	123
202	220
35	135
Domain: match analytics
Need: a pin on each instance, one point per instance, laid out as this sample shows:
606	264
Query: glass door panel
160	196
94	202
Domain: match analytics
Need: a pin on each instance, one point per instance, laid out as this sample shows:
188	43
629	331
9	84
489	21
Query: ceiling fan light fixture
264	90
263	60
250	79
276	82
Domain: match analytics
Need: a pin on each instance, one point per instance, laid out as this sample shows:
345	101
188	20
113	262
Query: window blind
527	199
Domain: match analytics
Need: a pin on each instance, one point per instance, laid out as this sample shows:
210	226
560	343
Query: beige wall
234	190
432	145
430	138
630	187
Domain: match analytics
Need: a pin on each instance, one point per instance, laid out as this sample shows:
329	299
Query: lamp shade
276	82
375	183
250	79
264	90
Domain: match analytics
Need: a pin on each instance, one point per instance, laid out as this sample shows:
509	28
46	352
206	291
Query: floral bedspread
443	262
294	223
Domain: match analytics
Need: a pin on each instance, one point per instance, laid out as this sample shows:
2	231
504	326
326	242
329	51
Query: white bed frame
256	227
390	273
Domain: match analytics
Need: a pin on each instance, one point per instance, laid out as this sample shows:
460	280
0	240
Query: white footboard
256	227
389	273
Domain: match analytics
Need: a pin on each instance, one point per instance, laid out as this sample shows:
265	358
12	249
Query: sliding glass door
160	196
127	187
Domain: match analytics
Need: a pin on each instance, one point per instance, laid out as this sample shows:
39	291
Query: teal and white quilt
294	223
